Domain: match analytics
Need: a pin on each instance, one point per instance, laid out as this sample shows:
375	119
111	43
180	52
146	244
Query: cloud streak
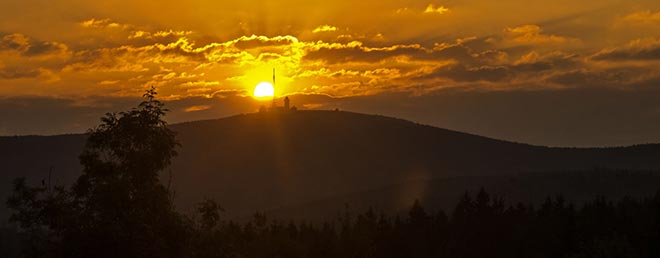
432	9
324	28
647	49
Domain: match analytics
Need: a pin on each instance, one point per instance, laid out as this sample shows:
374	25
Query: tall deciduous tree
118	207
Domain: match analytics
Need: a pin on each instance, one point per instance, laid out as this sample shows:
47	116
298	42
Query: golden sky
201	53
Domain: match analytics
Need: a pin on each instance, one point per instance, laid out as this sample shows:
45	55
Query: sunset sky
560	73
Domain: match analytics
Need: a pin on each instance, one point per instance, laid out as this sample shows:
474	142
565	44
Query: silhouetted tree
118	207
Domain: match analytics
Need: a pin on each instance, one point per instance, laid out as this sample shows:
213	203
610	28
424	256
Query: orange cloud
356	51
23	57
145	34
646	49
101	23
324	28
30	47
197	108
642	17
532	34
431	8
108	82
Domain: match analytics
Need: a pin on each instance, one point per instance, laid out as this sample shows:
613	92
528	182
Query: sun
264	90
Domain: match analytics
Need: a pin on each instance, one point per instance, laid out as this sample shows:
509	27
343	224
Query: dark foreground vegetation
120	207
480	226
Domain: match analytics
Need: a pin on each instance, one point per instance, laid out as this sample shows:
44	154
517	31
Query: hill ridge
260	161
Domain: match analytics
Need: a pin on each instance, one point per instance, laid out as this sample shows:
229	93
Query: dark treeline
480	226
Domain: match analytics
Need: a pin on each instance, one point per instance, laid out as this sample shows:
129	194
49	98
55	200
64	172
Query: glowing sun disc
264	89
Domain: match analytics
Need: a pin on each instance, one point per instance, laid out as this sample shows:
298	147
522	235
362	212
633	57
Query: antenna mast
274	88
